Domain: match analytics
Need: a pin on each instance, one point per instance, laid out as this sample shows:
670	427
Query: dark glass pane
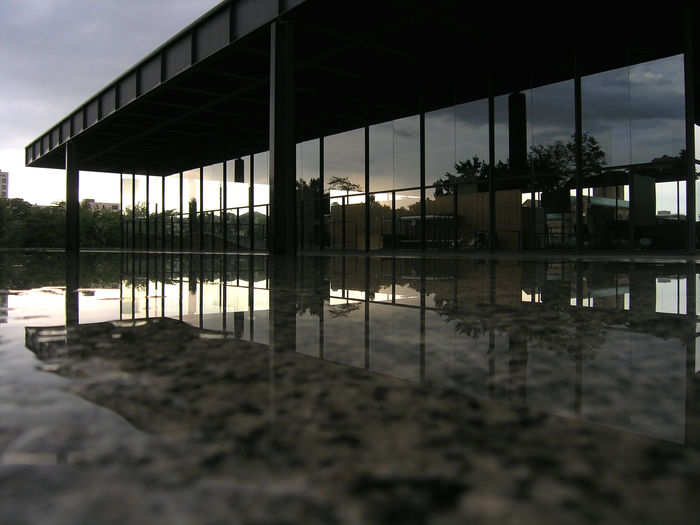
408	223
634	138
344	180
308	194
457	166
381	232
381	157
261	177
407	152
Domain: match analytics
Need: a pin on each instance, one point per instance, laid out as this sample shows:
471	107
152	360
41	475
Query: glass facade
436	181
261	199
344	187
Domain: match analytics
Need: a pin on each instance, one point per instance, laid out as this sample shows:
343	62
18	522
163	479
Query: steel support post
367	208
121	211
72	200
223	214
422	181
579	160
689	21
282	140
162	204
492	164
182	219
200	212
251	205
133	211
148	212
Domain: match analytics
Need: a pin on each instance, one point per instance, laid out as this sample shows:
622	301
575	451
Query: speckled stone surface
480	407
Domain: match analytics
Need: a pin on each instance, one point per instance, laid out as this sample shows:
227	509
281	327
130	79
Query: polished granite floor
171	388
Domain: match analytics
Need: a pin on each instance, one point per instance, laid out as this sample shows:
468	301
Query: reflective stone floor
176	388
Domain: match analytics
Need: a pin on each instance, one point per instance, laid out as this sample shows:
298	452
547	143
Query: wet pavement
220	389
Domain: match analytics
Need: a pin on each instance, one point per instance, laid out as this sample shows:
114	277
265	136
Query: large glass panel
172	211
155	211
457	169
308	194
191	203
381	221
127	184
551	161
261	195
535	168
606	148
407	152
261	168
344	180
213	193
141	207
381	157
237	199
634	138
213	187
381	174
408	224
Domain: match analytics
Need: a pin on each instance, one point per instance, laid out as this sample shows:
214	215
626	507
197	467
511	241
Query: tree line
26	225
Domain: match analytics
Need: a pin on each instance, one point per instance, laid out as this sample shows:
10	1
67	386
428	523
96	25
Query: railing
215	230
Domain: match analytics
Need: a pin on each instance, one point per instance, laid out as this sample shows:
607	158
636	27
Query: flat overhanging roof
203	96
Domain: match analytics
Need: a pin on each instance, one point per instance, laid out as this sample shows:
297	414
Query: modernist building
289	125
4	184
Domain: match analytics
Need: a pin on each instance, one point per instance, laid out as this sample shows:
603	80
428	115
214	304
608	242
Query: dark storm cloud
54	54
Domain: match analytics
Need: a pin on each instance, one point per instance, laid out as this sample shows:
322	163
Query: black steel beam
282	140
72	199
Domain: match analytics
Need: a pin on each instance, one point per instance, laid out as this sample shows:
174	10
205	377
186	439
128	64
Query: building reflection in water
612	343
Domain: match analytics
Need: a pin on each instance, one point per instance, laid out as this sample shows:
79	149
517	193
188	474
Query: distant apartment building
4	184
94	206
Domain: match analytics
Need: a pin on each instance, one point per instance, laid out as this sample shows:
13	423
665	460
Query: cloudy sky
54	54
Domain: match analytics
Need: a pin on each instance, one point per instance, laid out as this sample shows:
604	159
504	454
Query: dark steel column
200	212
579	160
162	226
148	212
121	210
182	220
282	139
689	63
72	199
492	164
223	214
367	209
322	197
422	180
692	380
133	211
251	206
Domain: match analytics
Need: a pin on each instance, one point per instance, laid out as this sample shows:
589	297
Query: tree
344	184
553	165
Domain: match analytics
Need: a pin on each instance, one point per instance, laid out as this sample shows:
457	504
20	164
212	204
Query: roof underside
356	64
